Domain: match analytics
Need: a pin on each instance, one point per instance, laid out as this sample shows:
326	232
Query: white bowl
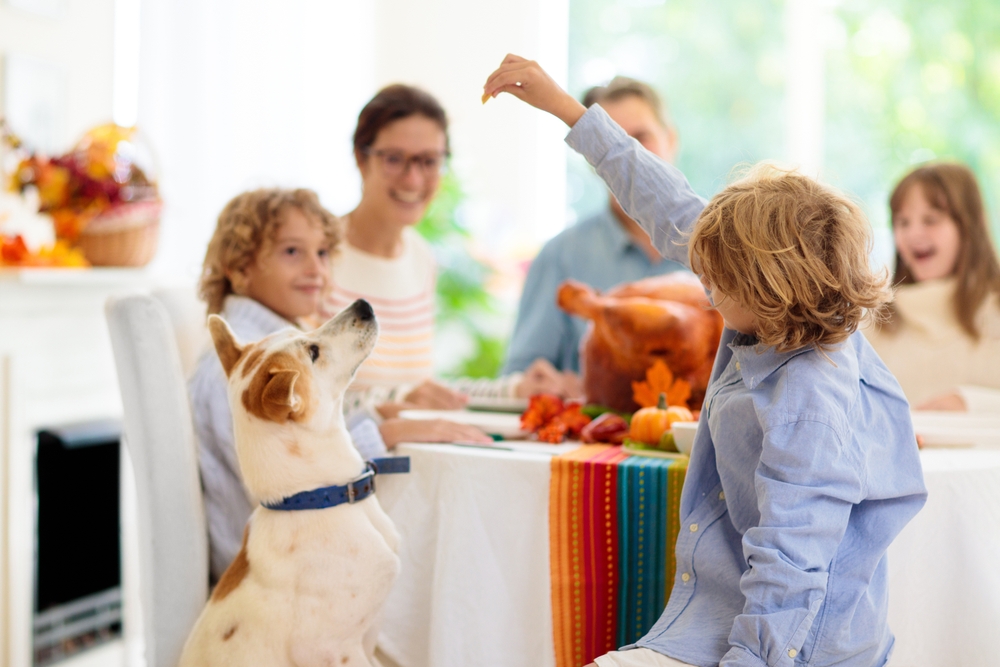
684	435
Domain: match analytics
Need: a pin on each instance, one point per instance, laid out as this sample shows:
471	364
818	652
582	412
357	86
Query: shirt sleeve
541	327
807	484
652	192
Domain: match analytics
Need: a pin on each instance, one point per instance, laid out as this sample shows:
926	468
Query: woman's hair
247	223
394	103
951	188
621	87
792	252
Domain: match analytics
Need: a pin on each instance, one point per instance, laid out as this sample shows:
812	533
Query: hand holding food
527	81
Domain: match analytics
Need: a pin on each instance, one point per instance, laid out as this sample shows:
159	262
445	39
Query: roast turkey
666	317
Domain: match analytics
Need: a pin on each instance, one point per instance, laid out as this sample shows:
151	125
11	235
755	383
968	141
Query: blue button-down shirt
597	252
803	470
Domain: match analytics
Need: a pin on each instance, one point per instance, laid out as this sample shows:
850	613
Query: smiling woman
401	148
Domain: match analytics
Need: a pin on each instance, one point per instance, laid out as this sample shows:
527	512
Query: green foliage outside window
905	81
464	306
718	65
909	81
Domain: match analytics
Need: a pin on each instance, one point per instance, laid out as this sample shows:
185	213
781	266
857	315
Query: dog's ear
279	400
225	342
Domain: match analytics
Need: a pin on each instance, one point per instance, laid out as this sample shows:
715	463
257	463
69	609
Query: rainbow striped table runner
613	522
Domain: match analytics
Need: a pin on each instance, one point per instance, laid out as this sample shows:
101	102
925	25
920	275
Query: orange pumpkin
649	424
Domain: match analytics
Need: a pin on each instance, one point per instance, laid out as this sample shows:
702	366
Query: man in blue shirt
602	251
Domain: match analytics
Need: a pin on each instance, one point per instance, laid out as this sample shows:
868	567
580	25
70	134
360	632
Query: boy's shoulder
828	385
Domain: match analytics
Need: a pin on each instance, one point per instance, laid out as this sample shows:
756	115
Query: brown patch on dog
294	449
343	659
234	574
225	343
230	632
251	361
280	390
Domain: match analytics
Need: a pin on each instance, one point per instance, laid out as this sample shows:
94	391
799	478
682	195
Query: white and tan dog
307	585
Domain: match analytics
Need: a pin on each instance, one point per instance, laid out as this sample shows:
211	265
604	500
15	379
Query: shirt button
685	577
792	653
722	495
694	527
737	365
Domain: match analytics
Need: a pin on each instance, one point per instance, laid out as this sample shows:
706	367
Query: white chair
159	436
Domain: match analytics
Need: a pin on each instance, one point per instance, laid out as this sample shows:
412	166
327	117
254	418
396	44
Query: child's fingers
512	82
506	73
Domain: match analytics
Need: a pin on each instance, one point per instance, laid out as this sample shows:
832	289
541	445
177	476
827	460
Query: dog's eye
314	352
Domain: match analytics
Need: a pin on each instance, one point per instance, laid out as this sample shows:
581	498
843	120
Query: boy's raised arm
653	193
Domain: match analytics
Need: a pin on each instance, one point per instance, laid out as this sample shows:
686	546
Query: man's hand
527	81
541	377
431	395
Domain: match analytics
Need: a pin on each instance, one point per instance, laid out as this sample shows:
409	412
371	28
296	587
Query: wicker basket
123	236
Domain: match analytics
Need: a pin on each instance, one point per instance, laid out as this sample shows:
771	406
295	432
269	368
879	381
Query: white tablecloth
944	568
474	587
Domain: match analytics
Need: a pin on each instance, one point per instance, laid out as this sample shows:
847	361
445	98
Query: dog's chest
331	553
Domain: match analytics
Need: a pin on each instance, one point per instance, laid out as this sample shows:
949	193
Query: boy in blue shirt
805	465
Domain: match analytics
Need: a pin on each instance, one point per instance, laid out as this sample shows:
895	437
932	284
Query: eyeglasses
397	163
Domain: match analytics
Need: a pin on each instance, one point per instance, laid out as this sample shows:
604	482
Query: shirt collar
250	319
618	238
756	362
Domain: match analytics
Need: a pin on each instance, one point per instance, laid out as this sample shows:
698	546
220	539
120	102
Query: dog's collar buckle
361	487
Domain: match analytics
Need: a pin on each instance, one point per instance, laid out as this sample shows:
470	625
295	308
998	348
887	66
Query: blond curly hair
247	223
792	252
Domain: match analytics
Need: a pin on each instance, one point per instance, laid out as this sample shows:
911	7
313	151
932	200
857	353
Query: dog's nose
363	310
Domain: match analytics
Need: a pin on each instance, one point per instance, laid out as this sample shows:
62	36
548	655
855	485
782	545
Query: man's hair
952	189
394	103
249	222
794	253
621	87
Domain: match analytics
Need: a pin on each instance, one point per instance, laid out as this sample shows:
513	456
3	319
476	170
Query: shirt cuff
740	657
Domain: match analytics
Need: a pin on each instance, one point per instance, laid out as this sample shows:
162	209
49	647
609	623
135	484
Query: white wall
240	94
510	158
236	94
74	46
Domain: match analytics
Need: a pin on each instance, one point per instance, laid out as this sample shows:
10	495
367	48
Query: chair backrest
159	434
187	315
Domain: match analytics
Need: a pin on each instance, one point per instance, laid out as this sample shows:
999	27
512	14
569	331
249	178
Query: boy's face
290	273
733	314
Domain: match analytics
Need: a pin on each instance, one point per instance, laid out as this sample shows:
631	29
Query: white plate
956	429
497	404
493	423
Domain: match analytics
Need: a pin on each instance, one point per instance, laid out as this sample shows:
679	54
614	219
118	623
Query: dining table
488	555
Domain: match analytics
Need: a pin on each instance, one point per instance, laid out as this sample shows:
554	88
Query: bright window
857	92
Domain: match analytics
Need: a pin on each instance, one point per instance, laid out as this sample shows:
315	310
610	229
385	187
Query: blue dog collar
354	491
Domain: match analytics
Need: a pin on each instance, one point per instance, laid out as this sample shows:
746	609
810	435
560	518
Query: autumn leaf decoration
660	380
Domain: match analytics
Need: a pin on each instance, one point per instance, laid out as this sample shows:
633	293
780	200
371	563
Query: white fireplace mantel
56	367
